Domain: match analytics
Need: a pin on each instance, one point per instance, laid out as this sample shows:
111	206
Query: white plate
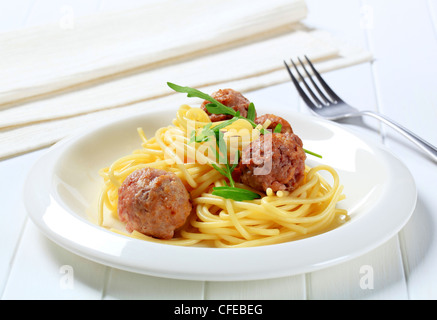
63	185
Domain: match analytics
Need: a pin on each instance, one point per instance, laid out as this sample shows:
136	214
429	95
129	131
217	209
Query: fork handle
424	145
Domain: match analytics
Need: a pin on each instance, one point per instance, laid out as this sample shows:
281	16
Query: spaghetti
275	217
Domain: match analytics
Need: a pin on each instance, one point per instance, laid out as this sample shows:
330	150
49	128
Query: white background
400	82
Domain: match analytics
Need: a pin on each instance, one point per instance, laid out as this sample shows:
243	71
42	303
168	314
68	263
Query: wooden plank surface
405	84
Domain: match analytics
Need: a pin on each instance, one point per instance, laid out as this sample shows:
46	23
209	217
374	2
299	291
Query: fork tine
299	89
318	102
326	99
323	83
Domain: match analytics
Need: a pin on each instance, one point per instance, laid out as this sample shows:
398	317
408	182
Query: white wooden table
400	82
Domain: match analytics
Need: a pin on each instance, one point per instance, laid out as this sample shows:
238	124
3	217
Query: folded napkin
60	80
43	59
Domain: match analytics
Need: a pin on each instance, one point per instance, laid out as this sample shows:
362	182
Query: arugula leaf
220	109
191	92
278	128
222	148
236	160
222	172
251	112
222	155
234	193
213	107
312	153
192	137
208	132
203	136
224	124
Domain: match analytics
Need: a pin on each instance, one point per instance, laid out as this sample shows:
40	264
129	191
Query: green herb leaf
312	153
205	134
238	194
222	172
191	92
223	124
192	137
278	128
251	112
220	109
213	107
236	160
222	148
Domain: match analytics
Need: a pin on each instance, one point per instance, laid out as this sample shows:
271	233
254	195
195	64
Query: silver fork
327	104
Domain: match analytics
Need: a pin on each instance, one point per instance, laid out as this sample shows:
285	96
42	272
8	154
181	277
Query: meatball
275	161
229	98
275	120
154	202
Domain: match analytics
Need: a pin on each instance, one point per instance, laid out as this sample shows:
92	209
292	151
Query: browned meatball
229	98
154	202
275	120
279	167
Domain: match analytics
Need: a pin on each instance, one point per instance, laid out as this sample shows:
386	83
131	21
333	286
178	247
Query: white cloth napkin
60	80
